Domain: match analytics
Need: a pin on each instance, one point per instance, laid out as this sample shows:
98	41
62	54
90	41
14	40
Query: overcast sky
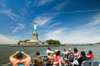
70	21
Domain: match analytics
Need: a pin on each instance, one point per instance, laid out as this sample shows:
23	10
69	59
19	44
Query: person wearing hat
20	59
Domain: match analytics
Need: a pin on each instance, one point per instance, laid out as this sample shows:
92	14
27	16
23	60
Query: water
6	51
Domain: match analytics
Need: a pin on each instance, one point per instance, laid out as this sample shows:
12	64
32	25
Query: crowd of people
70	57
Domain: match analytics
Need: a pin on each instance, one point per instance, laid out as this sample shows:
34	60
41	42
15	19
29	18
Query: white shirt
75	62
49	51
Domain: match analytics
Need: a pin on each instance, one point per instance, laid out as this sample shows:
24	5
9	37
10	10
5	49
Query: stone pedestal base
33	43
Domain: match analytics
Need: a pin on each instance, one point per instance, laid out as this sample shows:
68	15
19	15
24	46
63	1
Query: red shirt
57	59
90	56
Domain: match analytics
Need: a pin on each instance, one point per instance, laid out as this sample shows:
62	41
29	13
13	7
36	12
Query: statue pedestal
34	36
34	41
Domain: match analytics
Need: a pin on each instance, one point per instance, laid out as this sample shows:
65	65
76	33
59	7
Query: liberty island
34	41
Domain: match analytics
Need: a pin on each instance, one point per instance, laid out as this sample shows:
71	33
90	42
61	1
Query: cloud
36	3
74	11
42	20
19	27
80	36
23	12
96	20
10	14
7	40
55	34
42	2
54	25
61	5
87	33
74	36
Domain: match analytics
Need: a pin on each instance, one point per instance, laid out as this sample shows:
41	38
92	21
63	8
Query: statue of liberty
34	33
34	27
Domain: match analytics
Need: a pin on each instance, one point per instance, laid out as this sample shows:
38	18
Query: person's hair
83	53
49	54
90	52
19	55
58	53
75	50
37	53
64	49
49	48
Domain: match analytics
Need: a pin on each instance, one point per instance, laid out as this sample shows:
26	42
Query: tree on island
98	43
53	42
19	42
26	40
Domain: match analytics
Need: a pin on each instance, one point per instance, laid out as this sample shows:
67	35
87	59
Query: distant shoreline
47	45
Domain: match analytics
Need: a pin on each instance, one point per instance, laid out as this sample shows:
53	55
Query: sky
70	21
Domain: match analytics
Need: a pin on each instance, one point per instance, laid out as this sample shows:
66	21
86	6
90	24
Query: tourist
20	59
38	60
49	50
82	58
76	53
70	55
65	53
67	62
57	60
49	59
90	55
